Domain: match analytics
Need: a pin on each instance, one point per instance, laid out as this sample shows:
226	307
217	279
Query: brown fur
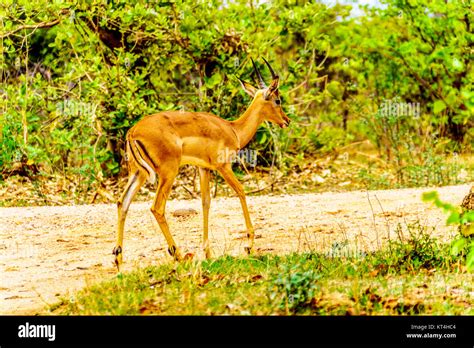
165	141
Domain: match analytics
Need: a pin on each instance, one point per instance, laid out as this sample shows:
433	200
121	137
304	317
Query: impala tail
138	156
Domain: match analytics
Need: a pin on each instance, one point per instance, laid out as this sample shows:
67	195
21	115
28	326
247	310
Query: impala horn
274	76
275	81
261	83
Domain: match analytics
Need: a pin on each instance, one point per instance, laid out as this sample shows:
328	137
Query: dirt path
47	252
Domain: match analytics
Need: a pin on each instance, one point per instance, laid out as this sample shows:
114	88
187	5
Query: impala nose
285	123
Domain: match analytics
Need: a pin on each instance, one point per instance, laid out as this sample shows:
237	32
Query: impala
161	143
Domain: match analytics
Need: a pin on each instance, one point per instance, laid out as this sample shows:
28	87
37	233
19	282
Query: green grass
411	277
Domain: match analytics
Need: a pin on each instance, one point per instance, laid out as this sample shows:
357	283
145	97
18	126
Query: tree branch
32	26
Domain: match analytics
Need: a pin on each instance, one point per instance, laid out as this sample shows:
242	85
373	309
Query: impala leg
135	181
230	178
164	188
206	202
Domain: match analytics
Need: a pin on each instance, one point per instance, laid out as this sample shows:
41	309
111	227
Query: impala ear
251	90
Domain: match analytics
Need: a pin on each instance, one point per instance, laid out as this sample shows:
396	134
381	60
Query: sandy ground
48	252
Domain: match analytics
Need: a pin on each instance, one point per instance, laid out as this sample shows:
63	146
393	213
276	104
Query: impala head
267	98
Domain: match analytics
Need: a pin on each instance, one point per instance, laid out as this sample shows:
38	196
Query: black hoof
172	251
117	251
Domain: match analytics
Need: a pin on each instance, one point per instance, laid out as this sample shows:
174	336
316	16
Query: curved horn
261	83
274	76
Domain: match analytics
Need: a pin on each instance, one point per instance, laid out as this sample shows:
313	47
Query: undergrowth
407	276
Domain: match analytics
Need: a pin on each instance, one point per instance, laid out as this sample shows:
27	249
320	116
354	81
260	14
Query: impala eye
278	102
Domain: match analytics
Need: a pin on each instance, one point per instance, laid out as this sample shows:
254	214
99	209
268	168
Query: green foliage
463	245
417	251
295	287
295	284
71	88
414	169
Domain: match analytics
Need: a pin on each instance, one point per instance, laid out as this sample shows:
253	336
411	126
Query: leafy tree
76	76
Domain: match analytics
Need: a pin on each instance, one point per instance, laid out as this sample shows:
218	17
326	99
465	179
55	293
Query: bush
294	288
462	246
70	91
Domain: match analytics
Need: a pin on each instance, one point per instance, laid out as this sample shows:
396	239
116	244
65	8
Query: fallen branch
273	182
192	194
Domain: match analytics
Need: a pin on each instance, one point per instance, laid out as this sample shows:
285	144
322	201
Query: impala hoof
248	250
117	251
118	257
175	253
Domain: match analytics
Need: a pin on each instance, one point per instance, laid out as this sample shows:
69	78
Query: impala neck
247	124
